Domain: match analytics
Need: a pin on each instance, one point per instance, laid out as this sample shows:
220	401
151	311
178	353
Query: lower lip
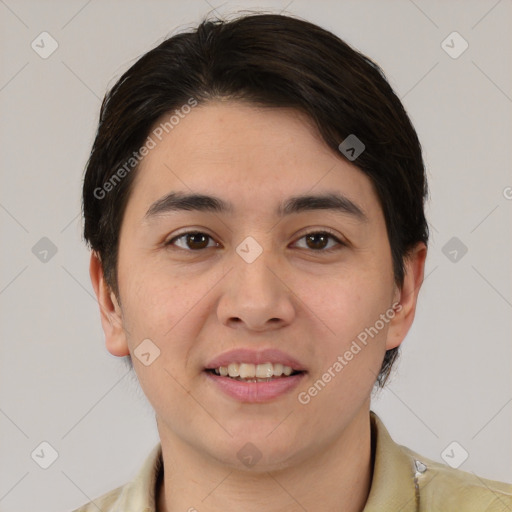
256	392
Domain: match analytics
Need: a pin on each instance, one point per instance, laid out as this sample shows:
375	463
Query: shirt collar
140	494
393	487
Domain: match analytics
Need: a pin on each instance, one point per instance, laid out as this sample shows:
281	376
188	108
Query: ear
406	297
111	314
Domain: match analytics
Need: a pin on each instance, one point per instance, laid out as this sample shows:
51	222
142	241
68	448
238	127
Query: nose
256	296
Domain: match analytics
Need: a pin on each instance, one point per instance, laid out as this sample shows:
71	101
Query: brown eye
193	240
318	241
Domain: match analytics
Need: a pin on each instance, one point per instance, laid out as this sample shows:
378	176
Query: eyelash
322	232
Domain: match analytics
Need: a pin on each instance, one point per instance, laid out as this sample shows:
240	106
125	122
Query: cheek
157	300
345	306
348	313
349	353
162	309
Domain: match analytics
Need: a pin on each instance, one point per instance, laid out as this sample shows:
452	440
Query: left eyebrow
180	201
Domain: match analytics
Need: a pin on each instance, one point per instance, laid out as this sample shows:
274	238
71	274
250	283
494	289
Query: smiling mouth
247	372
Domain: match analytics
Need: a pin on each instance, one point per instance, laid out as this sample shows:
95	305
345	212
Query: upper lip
244	355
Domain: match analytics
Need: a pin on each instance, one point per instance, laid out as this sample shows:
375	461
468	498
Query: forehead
248	154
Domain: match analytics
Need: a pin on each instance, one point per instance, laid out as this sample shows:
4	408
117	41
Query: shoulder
136	495
407	481
442	487
106	503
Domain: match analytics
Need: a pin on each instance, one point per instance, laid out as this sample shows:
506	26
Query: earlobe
407	296
110	311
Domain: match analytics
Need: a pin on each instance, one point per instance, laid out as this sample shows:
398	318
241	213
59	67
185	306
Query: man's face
251	279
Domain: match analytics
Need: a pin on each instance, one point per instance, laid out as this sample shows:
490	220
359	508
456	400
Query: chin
256	452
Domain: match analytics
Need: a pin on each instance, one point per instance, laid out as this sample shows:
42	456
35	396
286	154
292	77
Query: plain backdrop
59	385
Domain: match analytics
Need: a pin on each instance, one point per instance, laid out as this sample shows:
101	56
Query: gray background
57	381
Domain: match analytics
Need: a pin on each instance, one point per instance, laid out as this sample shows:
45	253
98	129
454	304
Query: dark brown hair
272	60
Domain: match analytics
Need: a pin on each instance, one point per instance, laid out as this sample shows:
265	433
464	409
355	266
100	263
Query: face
302	287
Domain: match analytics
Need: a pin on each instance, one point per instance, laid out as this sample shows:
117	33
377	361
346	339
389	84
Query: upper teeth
248	370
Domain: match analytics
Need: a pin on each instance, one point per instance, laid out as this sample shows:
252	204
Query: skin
312	305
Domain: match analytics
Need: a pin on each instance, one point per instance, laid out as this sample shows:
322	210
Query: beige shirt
403	481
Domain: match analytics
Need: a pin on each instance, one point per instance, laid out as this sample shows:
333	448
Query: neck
337	477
